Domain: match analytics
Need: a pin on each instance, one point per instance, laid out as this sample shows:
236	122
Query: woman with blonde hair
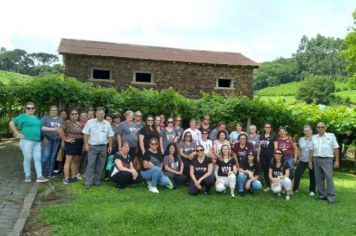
226	171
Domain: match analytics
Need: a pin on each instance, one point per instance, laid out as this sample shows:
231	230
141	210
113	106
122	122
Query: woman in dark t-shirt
152	168
200	173
148	132
123	173
279	171
249	173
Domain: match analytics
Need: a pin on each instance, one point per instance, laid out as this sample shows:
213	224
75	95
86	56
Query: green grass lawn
106	210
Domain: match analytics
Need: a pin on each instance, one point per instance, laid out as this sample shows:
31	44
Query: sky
260	29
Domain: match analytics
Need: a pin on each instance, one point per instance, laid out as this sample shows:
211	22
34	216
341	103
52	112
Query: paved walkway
13	189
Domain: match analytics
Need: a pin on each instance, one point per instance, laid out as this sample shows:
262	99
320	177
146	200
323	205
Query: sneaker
297	190
279	195
267	189
72	180
232	195
41	179
170	184
312	194
149	184
79	177
66	181
287	198
154	190
28	179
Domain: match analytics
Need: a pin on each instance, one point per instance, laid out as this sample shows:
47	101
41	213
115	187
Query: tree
316	89
279	71
45	59
349	53
321	56
16	60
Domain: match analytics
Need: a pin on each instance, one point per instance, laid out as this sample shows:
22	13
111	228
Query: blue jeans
31	149
49	155
156	176
241	182
290	161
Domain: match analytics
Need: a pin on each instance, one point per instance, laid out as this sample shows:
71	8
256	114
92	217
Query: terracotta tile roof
105	49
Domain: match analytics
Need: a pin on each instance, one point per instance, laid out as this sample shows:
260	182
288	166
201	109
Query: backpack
110	163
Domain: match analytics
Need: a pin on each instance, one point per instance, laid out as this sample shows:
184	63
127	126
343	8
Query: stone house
187	71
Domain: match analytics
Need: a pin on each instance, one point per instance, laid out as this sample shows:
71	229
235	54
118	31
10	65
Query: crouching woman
200	171
279	175
249	173
123	173
225	172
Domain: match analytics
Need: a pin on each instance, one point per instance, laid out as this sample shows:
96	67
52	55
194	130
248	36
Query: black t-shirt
225	167
267	146
255	168
279	171
200	169
125	161
148	134
155	158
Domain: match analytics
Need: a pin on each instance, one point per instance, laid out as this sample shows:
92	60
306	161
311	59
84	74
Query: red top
287	146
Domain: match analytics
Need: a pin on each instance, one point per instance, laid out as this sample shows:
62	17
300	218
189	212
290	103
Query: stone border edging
25	211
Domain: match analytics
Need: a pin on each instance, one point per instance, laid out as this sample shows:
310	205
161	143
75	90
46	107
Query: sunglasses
278	153
170	122
200	150
30	108
251	154
154	144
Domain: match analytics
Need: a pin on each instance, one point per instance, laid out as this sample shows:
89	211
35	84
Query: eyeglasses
53	110
204	133
278	153
200	150
154	144
138	115
73	114
321	127
30	108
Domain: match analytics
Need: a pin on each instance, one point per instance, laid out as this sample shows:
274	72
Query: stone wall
186	78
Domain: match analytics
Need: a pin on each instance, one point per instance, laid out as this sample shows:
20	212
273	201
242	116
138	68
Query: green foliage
70	93
316	89
349	53
279	71
321	56
289	89
30	64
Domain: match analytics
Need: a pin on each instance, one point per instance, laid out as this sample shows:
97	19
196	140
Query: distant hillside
6	77
289	90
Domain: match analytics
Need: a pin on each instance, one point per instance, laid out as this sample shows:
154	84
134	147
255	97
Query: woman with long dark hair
249	173
71	132
201	173
266	151
148	132
187	151
152	168
279	172
173	165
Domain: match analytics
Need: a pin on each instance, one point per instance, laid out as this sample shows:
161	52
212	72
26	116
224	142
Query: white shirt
324	145
208	145
98	131
196	134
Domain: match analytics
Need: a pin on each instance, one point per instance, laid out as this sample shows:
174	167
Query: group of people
162	153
